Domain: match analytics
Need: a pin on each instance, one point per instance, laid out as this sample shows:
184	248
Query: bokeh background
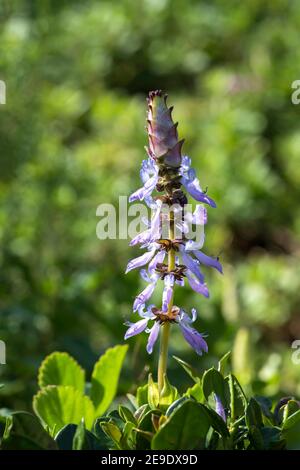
72	136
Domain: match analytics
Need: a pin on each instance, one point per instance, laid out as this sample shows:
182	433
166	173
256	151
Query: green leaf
175	405
85	440
127	441
61	369
132	399
266	438
291	431
186	429
218	423
192	372
196	392
272	438
141	411
213	382
58	406
238	401
105	378
223	362
3	422
291	420
73	437
126	414
289	409
145	430
254	414
266	405
79	437
142	395
153	393
168	394
26	433
105	441
115	417
65	436
112	431
256	438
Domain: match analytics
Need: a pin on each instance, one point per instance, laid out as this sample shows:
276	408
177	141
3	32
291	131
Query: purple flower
143	259
145	295
220	408
153	232
157	259
141	325
149	177
191	182
191	264
208	261
135	328
198	217
196	285
192	336
193	272
153	335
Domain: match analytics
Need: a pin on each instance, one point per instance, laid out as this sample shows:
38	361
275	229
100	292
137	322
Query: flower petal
194	338
185	318
140	260
158	258
146	190
144	275
142	238
196	285
200	215
148	313
191	264
155	223
220	408
193	188
148	169
192	245
185	164
144	296
209	261
136	328
153	337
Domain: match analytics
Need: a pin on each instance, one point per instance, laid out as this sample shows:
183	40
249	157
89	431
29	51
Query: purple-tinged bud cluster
164	146
165	175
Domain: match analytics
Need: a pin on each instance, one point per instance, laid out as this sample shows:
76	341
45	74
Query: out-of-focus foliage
72	137
213	414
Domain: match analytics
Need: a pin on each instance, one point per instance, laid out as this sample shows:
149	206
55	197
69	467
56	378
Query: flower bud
164	146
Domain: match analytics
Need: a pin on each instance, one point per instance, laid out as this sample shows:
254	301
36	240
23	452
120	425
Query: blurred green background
72	136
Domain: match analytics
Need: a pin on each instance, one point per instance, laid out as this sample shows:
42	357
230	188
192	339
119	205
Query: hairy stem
165	328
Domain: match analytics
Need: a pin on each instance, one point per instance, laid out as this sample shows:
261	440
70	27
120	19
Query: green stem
165	328
163	354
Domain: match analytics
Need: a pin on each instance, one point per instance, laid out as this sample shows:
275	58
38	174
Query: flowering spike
167	171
